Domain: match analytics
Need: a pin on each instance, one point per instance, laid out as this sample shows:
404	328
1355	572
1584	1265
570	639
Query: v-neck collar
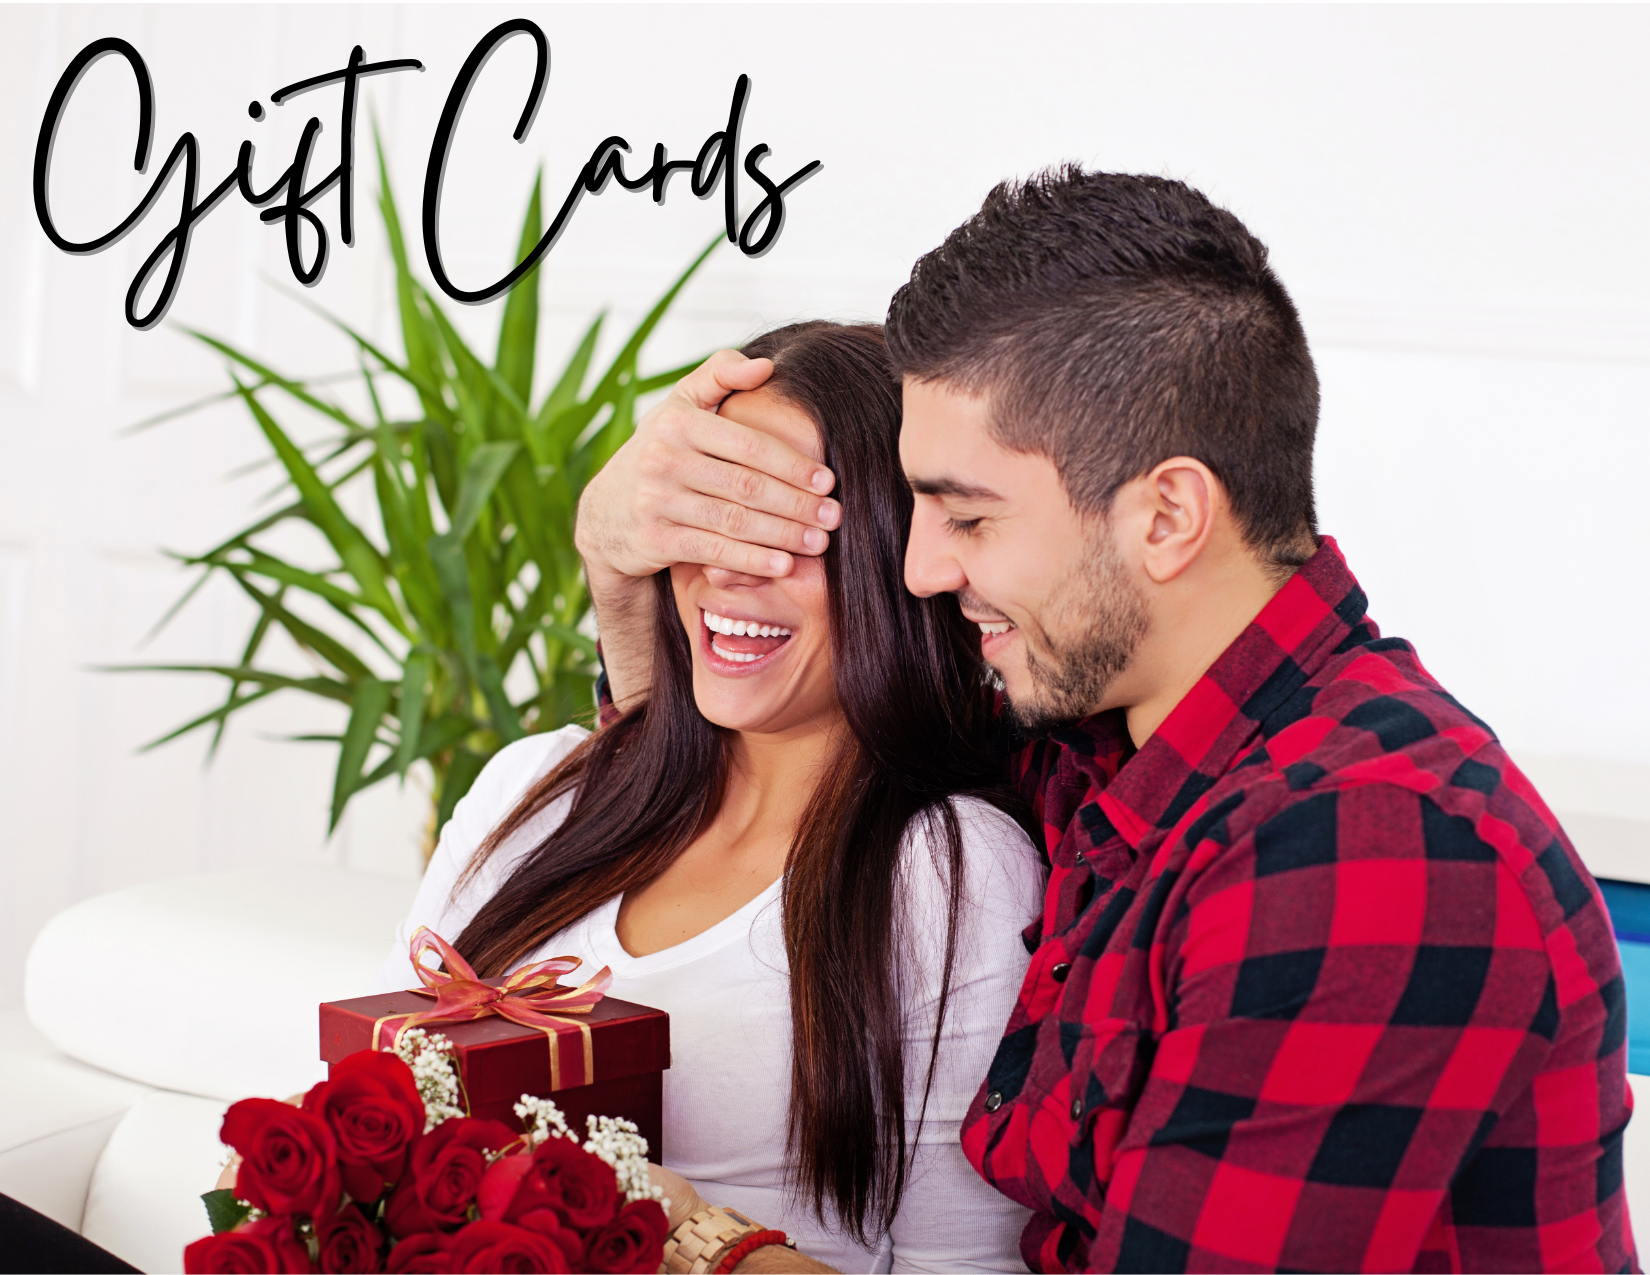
607	950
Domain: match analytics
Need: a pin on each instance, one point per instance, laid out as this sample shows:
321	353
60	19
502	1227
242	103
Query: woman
797	848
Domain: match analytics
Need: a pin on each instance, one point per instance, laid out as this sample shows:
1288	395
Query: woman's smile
734	646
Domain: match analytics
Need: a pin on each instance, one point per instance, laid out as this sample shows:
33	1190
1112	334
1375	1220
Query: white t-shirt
727	992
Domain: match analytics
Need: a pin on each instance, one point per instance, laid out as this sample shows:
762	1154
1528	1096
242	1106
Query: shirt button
1059	972
1076	1108
1080	856
993	1100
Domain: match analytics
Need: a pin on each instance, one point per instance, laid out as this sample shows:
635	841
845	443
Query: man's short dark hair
1115	321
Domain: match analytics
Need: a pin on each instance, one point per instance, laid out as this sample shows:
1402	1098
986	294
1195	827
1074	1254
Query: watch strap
696	1246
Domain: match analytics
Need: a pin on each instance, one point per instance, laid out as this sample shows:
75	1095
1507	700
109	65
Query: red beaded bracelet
740	1251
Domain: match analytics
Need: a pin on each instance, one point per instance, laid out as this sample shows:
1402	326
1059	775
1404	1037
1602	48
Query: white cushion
209	984
55	1122
144	1204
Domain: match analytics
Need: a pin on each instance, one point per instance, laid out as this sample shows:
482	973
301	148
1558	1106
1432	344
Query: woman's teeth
743	628
757	639
995	626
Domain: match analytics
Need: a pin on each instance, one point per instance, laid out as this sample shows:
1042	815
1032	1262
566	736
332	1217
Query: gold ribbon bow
533	997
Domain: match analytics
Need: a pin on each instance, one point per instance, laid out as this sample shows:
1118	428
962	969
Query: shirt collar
1292	638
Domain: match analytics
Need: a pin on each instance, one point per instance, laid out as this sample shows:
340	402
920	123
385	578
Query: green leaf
372	701
218	716
414	678
519	330
620	426
487	465
353	548
625	360
325	687
478	388
570	637
461	773
340	600
305	634
506	719
447	555
224	1211
294	388
565	393
423	362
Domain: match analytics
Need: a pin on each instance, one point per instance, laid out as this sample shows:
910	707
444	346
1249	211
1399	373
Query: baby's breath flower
542	1119
622	1146
435	1072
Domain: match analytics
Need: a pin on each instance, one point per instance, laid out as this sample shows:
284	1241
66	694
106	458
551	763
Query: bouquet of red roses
379	1170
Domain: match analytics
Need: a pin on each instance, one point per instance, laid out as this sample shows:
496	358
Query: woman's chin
746	714
752	708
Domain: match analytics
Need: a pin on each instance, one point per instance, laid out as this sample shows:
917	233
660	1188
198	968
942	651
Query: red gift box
500	1060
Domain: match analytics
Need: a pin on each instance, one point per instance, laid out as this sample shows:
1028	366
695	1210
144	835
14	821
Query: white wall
1457	197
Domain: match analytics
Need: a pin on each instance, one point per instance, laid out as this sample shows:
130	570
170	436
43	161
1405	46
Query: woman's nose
723	578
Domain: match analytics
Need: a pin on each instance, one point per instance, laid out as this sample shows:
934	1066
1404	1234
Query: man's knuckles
748	486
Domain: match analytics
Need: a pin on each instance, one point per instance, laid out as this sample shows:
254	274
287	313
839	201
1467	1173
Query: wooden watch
697	1246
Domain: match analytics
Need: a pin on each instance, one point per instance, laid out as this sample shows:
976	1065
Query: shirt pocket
1080	1093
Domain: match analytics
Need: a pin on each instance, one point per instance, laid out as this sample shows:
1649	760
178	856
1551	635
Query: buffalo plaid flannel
1320	983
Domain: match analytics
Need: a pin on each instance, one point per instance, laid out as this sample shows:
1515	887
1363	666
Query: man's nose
723	578
929	567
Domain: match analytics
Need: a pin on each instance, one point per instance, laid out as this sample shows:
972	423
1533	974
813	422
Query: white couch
148	1011
218	981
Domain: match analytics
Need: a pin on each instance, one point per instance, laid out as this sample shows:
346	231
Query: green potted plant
465	582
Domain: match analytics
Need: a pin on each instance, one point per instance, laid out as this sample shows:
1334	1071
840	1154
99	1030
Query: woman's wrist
715	1240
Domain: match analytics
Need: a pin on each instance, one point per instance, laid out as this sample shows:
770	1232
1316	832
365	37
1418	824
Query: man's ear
1179	497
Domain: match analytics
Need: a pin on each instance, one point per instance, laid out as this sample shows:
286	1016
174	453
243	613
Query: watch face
738	1217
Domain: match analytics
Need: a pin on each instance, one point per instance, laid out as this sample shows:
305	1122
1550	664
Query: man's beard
1105	616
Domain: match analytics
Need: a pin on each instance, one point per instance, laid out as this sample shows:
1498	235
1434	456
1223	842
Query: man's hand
684	1198
691	486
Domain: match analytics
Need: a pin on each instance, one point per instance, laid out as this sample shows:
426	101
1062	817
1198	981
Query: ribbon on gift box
533	996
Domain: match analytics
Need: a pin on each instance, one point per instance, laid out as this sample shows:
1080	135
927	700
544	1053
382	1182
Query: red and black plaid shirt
1320	983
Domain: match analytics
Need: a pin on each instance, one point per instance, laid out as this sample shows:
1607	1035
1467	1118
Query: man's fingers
761	452
723	373
702	390
758	494
738	521
692	544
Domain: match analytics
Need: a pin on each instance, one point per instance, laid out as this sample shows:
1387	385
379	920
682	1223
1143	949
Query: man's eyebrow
951	487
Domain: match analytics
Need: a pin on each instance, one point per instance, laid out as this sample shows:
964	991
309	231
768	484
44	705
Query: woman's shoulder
986	831
515	767
1000	865
501	784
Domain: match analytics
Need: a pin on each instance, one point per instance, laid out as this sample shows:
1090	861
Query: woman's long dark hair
911	684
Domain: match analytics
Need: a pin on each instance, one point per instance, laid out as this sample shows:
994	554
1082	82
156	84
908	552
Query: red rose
372	1106
485	1248
499	1183
549	1223
289	1165
563	1176
268	1247
349	1243
421	1254
440	1185
632	1242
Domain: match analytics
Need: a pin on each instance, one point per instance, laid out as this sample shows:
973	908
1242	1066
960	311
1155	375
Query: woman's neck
771	779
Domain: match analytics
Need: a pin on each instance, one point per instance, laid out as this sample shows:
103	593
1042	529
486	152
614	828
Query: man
1320	983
